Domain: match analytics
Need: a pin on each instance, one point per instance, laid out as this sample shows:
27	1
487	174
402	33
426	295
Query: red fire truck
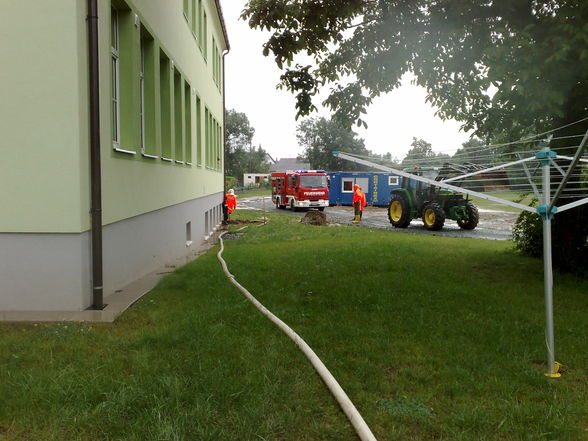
300	189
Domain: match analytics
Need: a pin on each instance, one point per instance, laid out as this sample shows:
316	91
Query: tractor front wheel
473	218
433	216
399	212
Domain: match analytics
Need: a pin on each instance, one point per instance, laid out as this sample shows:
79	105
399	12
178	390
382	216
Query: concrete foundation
52	272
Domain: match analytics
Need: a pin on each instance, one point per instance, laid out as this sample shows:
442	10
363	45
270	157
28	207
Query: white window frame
115	66
393	180
343	180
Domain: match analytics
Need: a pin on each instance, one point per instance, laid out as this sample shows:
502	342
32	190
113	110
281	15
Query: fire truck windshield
310	181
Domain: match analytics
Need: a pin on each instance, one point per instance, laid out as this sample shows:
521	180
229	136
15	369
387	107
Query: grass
433	338
255	192
491	205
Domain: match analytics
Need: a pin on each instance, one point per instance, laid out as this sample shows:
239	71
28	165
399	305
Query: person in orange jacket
359	202
229	205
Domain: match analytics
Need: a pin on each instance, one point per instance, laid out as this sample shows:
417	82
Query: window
124	102
392	180
147	95
178	135
204	35
187	9
188	233
188	123
115	67
194	17
313	181
206	138
166	114
199	23
198	132
347	185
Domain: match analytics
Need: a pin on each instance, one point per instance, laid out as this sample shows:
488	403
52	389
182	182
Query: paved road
494	225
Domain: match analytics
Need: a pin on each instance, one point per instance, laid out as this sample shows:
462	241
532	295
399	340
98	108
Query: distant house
250	179
160	150
289	164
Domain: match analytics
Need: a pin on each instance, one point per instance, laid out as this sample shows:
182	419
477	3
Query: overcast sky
251	82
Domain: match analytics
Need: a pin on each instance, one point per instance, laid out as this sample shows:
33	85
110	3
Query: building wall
45	259
44	170
142	182
255	178
54	270
43	114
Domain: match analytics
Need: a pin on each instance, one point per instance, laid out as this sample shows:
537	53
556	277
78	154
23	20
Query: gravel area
494	225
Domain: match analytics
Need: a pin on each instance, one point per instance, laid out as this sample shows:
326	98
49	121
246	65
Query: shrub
527	234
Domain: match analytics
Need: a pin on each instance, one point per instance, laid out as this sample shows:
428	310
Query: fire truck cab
300	189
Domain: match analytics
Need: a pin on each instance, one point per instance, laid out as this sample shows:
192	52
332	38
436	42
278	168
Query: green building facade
161	130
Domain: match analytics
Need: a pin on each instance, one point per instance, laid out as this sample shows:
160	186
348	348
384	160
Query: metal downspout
95	165
224	120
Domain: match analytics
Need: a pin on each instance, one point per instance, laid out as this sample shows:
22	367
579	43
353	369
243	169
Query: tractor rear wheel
399	212
473	218
433	216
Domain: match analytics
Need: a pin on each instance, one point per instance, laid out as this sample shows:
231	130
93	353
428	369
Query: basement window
188	233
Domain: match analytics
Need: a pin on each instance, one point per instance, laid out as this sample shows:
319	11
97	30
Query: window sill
145	155
167	159
179	162
189	163
119	150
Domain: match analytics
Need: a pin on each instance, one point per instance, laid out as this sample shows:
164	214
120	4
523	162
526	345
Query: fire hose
360	426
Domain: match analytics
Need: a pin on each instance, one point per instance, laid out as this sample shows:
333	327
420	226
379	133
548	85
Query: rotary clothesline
544	159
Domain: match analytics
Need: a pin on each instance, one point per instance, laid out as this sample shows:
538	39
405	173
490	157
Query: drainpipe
95	172
224	120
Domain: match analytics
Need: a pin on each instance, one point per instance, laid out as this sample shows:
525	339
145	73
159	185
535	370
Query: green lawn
433	338
255	192
491	205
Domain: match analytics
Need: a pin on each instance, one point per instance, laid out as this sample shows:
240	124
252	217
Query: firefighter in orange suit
358	203
229	205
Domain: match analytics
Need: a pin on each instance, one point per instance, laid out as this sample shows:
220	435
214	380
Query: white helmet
231	191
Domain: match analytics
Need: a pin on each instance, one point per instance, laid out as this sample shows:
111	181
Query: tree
474	151
240	155
530	53
320	137
422	154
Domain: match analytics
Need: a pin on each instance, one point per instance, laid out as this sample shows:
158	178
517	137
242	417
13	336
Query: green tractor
416	199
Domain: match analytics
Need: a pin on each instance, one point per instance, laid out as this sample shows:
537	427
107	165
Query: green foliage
320	137
527	234
470	152
422	154
240	155
529	53
503	68
230	182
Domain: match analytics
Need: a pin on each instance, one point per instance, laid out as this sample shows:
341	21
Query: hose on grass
358	423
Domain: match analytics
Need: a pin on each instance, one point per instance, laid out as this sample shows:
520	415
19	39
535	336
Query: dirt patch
314	218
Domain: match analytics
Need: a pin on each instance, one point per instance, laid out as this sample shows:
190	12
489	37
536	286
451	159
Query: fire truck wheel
321	209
